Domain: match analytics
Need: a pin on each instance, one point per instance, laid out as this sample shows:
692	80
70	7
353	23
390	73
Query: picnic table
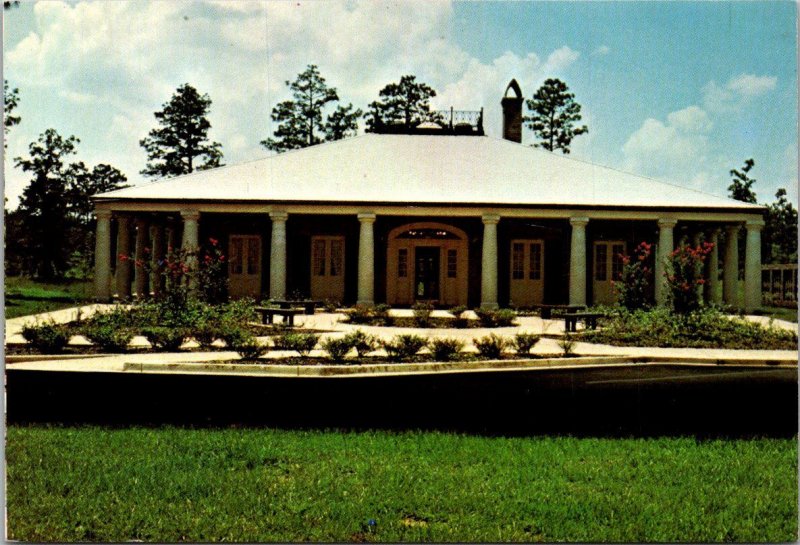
589	320
268	314
547	310
309	305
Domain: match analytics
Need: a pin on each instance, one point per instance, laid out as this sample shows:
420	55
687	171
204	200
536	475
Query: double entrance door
607	269
426	273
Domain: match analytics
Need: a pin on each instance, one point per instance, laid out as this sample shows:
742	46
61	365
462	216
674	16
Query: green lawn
780	313
173	484
25	296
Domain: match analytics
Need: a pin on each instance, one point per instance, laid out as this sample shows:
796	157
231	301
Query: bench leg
290	318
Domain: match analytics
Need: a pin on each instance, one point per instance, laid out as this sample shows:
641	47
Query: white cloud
691	119
118	62
751	86
736	92
676	150
601	51
560	59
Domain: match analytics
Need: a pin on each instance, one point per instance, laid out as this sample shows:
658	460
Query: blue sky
680	91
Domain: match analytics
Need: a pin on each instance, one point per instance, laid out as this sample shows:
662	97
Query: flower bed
704	328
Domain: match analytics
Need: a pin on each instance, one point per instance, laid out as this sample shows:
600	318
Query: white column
139	270
666	245
752	266
191	242
577	261
172	238
191	228
123	258
277	256
157	254
366	259
699	268
102	256
730	276
714	292
489	261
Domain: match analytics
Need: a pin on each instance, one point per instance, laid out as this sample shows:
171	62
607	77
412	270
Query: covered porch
449	256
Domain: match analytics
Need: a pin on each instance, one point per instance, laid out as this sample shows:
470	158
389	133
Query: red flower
213	241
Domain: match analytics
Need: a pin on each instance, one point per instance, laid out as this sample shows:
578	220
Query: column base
489	305
366	303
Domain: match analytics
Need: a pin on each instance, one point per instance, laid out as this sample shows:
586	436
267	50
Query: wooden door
327	268
607	267
244	266
527	272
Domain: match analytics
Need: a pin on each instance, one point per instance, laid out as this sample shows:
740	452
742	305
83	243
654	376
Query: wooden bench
268	314
589	319
309	306
546	311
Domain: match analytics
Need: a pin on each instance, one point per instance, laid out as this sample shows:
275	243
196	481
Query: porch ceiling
436	170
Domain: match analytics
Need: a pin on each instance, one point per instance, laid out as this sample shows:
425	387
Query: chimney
512	113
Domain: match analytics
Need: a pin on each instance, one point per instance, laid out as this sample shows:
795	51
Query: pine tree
741	187
182	138
555	114
43	207
10	103
406	103
300	120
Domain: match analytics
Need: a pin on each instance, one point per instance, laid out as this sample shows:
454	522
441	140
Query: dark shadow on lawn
645	400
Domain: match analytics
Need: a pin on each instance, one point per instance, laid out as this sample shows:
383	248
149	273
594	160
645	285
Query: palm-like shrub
491	346
444	349
523	342
364	343
404	347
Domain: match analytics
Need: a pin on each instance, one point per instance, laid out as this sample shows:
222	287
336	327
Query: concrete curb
394	369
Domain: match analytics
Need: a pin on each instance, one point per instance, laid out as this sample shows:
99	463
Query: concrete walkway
331	325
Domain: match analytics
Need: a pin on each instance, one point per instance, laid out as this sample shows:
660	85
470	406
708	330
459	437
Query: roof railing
453	122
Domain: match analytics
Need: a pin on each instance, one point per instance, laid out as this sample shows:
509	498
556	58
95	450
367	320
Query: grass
25	296
780	313
175	484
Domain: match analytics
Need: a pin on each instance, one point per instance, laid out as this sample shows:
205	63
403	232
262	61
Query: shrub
362	342
237	311
331	305
703	328
106	337
491	346
567	344
495	318
165	338
444	349
459	320
337	349
47	337
360	314
403	347
422	314
684	275
250	349
205	334
505	317
303	343
381	314
631	287
234	335
523	342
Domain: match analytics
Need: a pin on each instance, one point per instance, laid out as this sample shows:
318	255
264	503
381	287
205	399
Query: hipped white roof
423	169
